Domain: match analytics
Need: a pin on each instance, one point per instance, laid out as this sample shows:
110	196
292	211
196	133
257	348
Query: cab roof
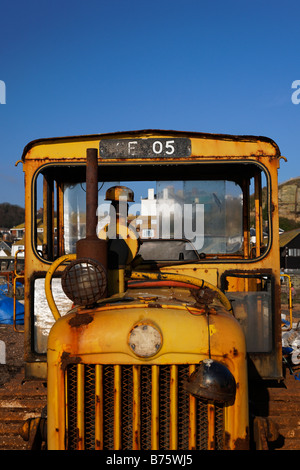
203	144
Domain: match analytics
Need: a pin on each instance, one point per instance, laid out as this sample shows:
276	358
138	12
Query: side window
47	234
259	214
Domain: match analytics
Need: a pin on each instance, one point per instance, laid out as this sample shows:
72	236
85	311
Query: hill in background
289	204
11	215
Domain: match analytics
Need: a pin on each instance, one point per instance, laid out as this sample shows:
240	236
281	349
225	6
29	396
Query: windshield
206	216
206	210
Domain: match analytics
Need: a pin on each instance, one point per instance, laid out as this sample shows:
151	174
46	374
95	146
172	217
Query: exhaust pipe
91	246
84	280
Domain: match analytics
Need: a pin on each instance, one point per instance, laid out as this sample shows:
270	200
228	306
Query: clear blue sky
94	66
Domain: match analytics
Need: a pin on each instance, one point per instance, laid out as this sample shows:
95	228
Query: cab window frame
209	165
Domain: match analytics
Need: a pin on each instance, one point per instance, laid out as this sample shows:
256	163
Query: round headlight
212	380
84	281
145	339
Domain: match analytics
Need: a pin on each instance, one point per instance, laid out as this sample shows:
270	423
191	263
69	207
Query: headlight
212	380
84	281
145	339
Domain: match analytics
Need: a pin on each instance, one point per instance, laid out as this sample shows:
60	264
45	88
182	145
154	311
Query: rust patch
242	444
226	440
79	439
67	359
204	297
80	319
136	438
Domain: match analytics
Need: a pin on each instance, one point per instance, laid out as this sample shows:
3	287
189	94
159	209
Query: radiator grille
138	407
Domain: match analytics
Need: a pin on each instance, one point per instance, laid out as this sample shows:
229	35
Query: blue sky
85	67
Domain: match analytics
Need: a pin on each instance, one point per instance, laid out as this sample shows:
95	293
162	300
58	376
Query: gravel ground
14	352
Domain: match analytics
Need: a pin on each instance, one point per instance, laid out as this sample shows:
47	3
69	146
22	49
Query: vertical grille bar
67	409
211	426
117	407
192	416
98	407
80	406
173	407
155	408
136	434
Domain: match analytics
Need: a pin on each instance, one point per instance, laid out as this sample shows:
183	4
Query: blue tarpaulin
5	288
7	311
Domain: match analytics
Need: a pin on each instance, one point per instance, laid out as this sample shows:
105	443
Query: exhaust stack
91	246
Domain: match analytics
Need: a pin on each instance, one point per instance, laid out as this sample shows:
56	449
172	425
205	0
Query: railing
290	300
16	277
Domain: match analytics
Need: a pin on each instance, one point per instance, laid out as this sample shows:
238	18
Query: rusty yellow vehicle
152	285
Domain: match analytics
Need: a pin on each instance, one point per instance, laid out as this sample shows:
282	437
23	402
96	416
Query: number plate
145	148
